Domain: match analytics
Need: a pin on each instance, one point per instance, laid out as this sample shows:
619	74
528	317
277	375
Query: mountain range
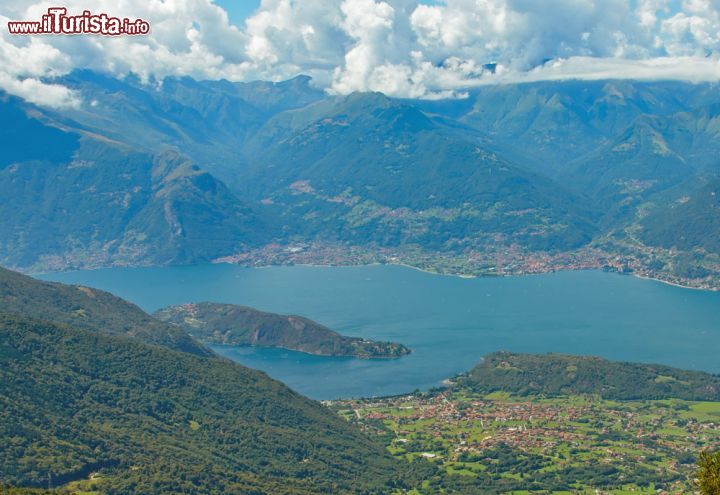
77	198
184	171
96	396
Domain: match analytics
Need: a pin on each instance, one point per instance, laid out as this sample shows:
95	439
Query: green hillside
557	375
549	124
214	323
90	309
691	222
153	421
81	199
639	162
368	169
539	431
209	121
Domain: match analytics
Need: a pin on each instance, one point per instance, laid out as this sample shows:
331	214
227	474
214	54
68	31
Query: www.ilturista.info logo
56	21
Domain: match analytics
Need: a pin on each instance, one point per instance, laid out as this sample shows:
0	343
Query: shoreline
674	284
44	272
470	276
307	353
377	263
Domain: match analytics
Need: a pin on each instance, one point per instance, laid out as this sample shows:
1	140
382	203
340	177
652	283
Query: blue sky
238	10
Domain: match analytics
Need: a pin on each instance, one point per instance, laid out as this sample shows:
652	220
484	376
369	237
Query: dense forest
557	374
90	309
155	421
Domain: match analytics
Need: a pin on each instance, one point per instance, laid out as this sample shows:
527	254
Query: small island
229	324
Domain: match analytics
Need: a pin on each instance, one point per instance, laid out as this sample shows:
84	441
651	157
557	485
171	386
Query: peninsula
229	324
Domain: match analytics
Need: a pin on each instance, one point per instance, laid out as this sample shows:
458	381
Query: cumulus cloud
188	37
400	47
24	65
40	93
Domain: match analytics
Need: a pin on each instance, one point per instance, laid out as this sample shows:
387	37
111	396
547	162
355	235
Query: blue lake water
448	322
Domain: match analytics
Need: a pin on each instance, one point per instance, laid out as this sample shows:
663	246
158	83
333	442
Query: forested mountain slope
155	421
79	199
555	375
186	171
90	309
365	168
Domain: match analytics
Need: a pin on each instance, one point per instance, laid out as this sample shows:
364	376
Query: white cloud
40	93
22	65
399	47
692	69
289	37
370	25
188	37
693	31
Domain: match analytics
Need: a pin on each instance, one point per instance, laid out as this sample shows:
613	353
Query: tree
708	473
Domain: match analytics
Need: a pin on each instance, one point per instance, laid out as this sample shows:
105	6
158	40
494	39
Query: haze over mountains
185	171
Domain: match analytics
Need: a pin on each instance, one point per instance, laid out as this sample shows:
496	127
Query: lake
448	322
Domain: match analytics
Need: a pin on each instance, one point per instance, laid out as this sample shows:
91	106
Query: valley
551	423
481	186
